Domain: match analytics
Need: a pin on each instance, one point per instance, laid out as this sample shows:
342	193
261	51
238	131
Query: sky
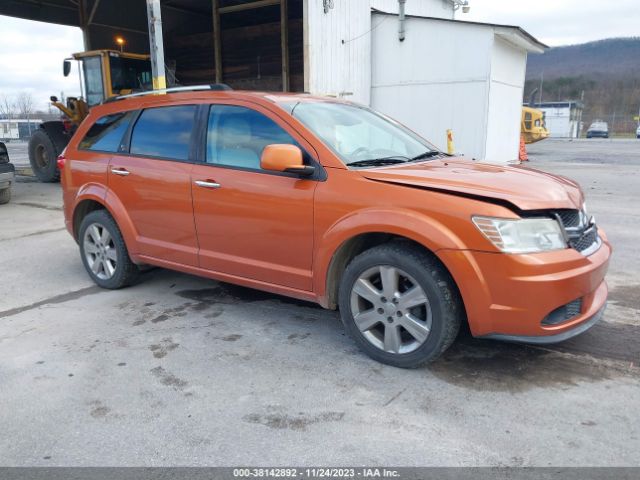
561	22
31	53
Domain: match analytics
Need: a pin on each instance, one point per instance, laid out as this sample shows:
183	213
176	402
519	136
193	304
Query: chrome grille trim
581	232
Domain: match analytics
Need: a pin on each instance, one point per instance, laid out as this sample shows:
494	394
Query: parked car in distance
328	201
7	175
598	129
638	132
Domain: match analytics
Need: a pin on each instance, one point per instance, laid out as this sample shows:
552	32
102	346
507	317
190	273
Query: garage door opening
256	45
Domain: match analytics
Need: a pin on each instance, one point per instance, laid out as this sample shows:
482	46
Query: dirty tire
443	300
5	195
43	156
125	272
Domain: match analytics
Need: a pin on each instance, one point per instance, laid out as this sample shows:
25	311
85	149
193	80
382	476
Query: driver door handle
207	184
120	171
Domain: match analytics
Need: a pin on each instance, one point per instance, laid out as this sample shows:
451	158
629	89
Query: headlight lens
524	235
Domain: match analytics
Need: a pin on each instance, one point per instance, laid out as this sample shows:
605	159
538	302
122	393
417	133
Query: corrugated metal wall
338	43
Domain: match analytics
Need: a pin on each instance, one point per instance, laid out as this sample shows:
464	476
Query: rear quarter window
106	134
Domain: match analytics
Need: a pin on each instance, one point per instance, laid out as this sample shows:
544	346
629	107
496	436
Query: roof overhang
512	34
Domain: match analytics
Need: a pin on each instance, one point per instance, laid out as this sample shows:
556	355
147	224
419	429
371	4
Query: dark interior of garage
259	47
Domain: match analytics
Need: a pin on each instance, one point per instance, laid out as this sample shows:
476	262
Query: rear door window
164	132
105	135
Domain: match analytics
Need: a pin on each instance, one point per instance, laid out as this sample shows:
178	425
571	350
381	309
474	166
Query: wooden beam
248	6
284	43
217	40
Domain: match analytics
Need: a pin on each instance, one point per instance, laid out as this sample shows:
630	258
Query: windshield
357	134
130	74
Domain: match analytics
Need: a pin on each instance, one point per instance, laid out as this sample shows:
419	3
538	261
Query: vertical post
84	24
217	40
284	43
156	45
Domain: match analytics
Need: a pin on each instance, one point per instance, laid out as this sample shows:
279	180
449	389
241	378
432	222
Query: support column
84	24
284	43
217	40
156	45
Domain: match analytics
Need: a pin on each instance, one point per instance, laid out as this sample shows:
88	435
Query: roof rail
194	88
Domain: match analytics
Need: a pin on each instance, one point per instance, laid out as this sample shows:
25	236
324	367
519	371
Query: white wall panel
436	79
503	129
508	67
338	43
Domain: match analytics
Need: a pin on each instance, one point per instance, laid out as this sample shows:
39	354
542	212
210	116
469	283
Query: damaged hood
525	188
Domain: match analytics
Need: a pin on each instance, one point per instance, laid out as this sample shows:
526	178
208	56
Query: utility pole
541	85
156	45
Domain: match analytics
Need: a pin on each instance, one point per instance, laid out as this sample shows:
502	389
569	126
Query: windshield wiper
372	162
427	154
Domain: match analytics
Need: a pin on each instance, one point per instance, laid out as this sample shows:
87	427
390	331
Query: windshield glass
357	134
92	70
130	74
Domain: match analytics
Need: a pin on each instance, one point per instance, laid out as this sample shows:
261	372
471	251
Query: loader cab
533	126
107	73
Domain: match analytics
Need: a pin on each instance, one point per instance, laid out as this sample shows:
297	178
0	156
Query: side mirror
284	158
66	68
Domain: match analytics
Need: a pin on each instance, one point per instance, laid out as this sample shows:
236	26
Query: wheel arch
365	230
94	197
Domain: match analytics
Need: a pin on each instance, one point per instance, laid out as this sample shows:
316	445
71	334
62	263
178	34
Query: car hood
526	188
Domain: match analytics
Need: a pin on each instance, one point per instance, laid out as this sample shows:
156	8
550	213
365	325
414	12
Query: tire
112	270
415	268
43	155
5	195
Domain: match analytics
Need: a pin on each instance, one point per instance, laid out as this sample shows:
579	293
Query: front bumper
509	296
7	174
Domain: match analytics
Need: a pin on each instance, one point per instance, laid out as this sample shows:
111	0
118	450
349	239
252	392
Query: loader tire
43	156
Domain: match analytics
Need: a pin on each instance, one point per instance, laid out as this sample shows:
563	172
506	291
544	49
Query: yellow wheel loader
532	125
103	74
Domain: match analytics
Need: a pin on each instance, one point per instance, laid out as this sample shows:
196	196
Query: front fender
427	231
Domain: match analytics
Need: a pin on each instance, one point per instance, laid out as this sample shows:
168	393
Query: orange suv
328	201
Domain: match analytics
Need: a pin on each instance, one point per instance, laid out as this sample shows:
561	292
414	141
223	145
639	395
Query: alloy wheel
100	251
391	309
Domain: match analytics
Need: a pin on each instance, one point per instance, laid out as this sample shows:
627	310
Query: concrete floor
180	370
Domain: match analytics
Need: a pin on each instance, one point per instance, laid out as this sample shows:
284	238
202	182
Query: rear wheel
400	305
42	157
104	253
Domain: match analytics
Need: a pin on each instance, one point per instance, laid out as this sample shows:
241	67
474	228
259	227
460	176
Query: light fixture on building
120	41
461	3
327	5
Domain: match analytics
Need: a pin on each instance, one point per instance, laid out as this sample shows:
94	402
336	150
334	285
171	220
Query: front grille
570	218
586	240
564	313
582	233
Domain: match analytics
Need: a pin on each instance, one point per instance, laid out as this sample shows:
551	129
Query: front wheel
400	305
104	253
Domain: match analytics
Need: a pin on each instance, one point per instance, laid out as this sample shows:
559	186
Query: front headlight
523	235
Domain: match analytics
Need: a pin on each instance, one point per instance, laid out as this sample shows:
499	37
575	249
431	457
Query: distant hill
607	71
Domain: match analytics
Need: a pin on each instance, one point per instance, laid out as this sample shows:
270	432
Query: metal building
422	67
562	119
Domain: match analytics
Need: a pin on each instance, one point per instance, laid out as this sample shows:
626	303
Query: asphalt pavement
180	370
